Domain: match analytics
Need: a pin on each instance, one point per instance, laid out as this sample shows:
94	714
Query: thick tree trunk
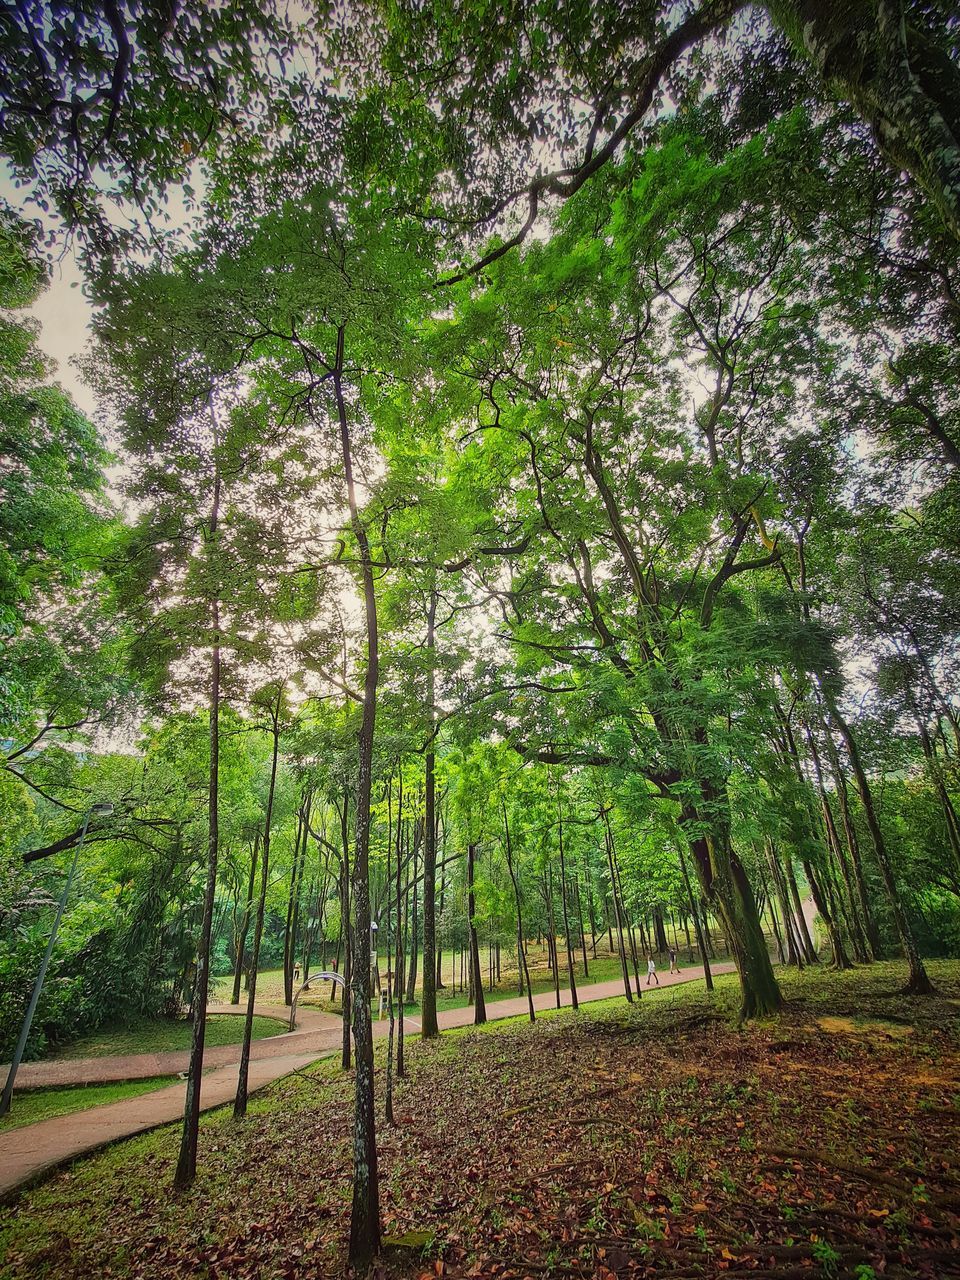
725	883
902	84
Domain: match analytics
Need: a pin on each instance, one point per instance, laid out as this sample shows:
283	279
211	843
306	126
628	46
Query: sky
64	315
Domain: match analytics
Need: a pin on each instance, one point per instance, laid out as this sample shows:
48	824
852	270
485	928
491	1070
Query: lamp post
101	810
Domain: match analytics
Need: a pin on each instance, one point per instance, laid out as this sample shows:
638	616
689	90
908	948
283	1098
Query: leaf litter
621	1143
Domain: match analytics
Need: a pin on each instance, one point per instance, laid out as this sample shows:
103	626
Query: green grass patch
163	1035
42	1104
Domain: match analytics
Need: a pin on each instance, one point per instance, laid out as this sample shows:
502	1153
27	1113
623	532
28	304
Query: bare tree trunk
365	1214
428	1002
239	967
187	1161
240	1101
480	1009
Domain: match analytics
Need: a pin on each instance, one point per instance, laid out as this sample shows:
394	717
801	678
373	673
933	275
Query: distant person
652	971
296	973
673	960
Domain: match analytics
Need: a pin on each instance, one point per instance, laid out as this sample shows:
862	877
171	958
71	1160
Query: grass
162	1035
32	1105
605	967
626	1140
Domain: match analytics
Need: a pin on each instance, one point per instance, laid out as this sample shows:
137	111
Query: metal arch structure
305	986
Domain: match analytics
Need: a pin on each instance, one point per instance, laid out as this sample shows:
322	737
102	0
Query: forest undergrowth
657	1140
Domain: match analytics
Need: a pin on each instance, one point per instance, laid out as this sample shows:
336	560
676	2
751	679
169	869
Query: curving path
313	1033
34	1149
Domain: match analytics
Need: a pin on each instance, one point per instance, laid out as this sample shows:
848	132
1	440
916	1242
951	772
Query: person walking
652	971
673	960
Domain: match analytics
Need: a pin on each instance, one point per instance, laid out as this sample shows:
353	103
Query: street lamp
101	810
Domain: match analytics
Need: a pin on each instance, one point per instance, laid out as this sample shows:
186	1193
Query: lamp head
102	809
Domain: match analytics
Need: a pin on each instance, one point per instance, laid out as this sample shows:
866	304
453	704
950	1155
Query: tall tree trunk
187	1161
388	1102
698	928
428	1002
583	936
401	955
365	1213
414	948
918	983
608	839
566	915
348	957
480	1008
238	969
794	943
240	1101
293	913
810	951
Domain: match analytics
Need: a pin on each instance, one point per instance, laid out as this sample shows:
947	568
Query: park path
27	1152
315	1031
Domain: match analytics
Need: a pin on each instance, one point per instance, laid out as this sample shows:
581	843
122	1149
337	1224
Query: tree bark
239	967
186	1169
428	1002
479	1006
240	1101
365	1214
918	982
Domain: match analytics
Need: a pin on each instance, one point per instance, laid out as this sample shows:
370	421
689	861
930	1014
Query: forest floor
653	1140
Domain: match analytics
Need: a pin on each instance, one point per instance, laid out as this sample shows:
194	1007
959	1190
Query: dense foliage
539	497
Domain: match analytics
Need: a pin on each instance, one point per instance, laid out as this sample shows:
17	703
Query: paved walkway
316	1031
27	1152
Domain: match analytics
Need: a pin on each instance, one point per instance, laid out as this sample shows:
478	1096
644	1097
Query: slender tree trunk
616	911
187	1161
552	935
401	955
346	1046
414	948
388	1102
428	1003
240	1100
566	915
239	967
810	951
583	936
480	1009
918	982
698	928
365	1214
